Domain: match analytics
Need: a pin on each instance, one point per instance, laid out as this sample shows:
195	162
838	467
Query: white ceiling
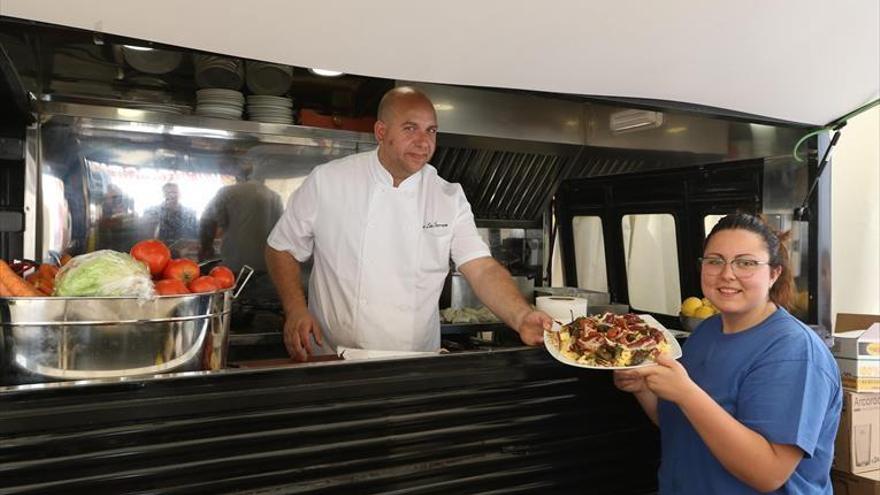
806	61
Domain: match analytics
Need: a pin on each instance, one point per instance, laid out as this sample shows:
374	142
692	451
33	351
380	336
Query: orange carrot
4	292
16	285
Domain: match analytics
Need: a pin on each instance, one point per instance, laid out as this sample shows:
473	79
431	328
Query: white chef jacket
381	254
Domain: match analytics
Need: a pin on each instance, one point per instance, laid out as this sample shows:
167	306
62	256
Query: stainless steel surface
99	175
823	235
463	296
31	190
594	298
83	338
487	113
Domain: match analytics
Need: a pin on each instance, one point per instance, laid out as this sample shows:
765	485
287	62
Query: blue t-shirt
777	378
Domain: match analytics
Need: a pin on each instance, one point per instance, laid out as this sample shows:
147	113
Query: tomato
205	283
170	286
182	269
154	253
225	277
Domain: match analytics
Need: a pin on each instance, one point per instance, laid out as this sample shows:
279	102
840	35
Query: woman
753	405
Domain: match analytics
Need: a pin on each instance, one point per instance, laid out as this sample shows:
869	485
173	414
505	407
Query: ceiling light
635	120
325	72
443	107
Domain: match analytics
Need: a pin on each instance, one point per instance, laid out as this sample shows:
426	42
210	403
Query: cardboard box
857	351
857	446
855	484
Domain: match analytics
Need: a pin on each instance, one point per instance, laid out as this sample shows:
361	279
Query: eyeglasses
742	267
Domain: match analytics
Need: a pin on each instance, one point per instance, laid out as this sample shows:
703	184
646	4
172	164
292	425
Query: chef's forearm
492	283
285	272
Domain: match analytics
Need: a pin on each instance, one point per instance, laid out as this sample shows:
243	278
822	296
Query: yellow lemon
690	305
704	312
707	302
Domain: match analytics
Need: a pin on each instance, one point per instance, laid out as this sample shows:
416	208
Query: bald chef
381	226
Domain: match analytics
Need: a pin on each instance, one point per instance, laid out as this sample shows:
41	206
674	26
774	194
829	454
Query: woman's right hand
630	381
298	329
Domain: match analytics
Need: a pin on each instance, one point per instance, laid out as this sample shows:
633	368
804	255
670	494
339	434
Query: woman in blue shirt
754	404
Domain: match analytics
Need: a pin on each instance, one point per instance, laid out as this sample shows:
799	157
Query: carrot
16	285
4	292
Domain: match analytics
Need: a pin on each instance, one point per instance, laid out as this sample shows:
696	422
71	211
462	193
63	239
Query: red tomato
182	269
170	286
225	277
154	253
205	283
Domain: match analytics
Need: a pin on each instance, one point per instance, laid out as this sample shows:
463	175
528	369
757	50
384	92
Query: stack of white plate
222	103
218	72
271	109
268	79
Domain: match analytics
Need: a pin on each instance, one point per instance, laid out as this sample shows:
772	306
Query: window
589	253
709	222
651	256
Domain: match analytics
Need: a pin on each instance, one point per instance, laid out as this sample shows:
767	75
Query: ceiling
802	61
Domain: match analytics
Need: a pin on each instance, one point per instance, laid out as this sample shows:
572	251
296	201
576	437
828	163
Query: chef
381	227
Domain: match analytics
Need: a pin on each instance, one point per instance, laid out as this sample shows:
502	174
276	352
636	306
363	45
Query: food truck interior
604	195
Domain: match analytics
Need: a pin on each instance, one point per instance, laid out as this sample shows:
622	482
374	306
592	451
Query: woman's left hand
668	379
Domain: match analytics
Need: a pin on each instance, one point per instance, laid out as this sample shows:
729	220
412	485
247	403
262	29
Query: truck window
651	254
589	253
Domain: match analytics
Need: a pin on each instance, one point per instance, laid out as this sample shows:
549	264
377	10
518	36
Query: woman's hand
298	328
629	381
668	379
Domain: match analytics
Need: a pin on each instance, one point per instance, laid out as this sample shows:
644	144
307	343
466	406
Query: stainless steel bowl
84	338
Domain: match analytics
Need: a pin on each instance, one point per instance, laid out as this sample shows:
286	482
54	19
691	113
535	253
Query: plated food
610	341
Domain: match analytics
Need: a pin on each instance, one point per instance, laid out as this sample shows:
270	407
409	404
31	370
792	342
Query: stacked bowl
268	79
218	72
221	103
270	109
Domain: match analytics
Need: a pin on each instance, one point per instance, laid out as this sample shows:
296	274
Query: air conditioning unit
635	120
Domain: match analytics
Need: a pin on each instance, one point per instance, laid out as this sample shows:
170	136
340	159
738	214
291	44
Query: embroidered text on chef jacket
381	253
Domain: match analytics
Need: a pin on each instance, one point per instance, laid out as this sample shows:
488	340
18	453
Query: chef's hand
630	381
298	328
668	379
532	326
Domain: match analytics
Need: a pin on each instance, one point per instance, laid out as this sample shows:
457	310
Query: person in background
171	222
754	404
245	212
381	227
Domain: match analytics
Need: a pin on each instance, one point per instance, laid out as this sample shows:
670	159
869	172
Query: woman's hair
782	291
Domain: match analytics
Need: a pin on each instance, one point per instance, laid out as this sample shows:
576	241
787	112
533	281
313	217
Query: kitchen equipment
83	338
593	297
462	296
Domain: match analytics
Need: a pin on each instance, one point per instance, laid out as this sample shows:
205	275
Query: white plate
674	349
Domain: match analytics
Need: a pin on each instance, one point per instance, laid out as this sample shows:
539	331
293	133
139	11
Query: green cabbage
104	273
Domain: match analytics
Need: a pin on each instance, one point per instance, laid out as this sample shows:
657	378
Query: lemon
704	312
707	302
690	305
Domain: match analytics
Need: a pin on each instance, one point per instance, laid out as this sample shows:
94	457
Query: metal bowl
84	338
690	323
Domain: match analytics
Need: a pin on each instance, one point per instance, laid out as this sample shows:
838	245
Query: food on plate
154	253
205	283
13	285
468	315
170	286
609	340
182	269
224	276
104	273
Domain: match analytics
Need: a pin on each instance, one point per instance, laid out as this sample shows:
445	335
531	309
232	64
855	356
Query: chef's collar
383	177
